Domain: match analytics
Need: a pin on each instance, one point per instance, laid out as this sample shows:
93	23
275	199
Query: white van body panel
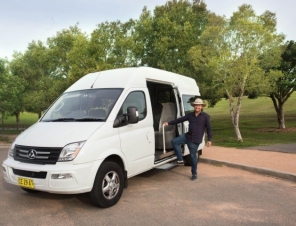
57	134
137	141
134	77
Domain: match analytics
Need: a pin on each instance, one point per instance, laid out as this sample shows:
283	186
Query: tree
3	74
68	56
11	91
111	45
284	86
230	53
164	37
36	69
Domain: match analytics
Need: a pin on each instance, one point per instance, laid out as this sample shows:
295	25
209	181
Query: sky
22	21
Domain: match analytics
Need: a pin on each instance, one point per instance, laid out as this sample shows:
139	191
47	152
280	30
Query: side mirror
132	115
119	121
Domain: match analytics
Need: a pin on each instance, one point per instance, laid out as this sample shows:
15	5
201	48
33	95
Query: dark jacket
197	126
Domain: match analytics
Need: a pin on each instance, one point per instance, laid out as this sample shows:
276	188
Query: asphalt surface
285	148
220	196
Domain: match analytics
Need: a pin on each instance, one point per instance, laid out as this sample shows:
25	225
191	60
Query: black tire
110	177
29	190
188	160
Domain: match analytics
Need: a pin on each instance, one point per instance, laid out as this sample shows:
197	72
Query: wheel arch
117	159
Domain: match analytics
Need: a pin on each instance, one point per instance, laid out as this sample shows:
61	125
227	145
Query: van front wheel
108	185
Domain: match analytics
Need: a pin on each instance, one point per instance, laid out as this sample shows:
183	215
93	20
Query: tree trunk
279	108
235	116
17	117
281	117
39	115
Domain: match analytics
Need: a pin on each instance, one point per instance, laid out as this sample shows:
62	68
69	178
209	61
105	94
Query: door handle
148	137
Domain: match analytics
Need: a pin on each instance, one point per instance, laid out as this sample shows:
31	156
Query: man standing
198	122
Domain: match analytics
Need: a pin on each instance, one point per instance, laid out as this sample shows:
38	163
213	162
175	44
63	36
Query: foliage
164	38
231	54
69	56
35	67
283	87
111	45
11	90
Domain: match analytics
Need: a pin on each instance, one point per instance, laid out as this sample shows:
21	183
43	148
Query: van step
166	166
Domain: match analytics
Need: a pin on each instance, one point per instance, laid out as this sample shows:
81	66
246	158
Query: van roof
134	77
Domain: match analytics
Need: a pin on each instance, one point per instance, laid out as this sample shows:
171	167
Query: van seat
169	113
156	110
77	114
97	113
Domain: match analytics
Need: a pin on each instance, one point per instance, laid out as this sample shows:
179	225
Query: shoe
180	163
194	177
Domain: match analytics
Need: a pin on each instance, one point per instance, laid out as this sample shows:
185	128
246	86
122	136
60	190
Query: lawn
26	120
258	123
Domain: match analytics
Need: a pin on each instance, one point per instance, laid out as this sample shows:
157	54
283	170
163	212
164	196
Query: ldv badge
32	154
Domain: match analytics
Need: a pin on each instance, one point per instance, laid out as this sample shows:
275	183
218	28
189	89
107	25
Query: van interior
164	109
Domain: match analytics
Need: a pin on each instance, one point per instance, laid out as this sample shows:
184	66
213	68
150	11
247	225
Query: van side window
135	99
187	99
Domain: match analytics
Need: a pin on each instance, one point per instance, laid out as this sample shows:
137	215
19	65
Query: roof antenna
95	81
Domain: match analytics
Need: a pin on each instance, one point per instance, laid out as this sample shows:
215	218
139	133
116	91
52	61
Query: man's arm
209	131
176	121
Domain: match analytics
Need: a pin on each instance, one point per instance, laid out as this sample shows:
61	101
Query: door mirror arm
131	117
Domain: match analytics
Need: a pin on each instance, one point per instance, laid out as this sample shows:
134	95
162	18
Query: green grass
26	120
255	115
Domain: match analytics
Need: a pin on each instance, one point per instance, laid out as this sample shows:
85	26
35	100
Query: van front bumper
61	178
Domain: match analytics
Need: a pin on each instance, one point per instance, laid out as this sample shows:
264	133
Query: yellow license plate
25	182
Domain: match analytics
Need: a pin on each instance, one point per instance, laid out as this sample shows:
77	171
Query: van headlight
70	151
11	151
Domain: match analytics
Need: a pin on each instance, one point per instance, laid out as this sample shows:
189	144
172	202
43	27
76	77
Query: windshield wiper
89	119
61	120
75	120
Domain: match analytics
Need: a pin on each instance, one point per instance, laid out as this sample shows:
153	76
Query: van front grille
37	155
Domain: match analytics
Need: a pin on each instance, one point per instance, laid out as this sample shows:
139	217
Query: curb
263	171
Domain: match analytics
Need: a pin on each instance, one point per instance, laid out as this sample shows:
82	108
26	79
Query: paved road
220	196
285	148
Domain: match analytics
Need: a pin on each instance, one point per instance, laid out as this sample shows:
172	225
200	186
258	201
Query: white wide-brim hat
198	101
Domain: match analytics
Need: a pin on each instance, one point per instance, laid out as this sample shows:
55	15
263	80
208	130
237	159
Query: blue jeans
176	142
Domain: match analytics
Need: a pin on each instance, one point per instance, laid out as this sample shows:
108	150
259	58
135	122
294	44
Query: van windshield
83	105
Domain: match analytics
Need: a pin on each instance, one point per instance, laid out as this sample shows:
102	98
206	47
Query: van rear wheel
108	185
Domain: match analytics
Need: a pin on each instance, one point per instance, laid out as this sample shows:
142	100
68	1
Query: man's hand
209	143
165	124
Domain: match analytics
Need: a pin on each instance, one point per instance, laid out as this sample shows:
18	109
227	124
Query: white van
104	129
